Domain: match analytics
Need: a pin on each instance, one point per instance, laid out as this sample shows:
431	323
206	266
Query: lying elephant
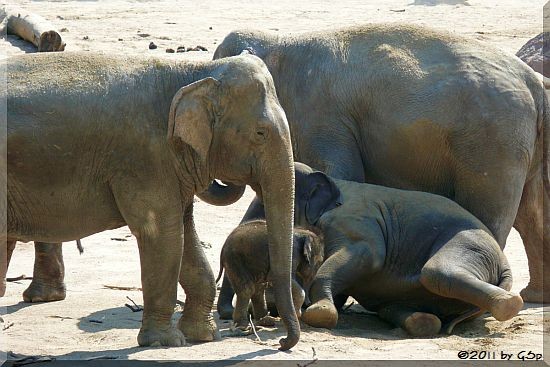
245	258
98	142
418	259
414	108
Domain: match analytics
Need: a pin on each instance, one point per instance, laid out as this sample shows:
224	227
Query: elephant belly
58	215
377	292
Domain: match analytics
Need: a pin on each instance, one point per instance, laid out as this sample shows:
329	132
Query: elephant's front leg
199	284
160	250
155	218
349	264
48	275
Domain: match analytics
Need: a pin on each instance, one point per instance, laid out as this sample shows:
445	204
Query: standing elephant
418	259
414	108
97	142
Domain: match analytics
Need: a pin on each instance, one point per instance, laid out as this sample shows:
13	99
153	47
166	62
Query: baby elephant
245	258
420	260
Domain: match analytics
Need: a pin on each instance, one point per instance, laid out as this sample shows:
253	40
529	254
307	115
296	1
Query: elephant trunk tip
288	342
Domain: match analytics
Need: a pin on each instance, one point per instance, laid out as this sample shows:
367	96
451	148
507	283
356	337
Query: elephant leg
339	271
225	300
5	262
532	223
259	305
240	314
155	219
454	273
198	282
48	275
411	320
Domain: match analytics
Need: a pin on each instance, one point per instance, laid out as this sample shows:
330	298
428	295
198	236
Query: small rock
143	35
165	38
120	39
180	49
198	48
86	38
152	46
60	17
170	50
63	30
210	28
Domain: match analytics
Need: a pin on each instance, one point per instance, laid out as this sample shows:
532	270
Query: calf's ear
323	195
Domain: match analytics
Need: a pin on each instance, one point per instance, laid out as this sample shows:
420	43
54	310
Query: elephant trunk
277	187
221	195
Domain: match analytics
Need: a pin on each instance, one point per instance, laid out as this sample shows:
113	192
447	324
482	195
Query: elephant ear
192	115
323	196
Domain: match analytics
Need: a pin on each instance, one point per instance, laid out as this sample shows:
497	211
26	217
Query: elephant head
309	251
316	193
256	42
232	126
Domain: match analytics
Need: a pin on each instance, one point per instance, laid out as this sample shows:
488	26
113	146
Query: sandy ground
93	320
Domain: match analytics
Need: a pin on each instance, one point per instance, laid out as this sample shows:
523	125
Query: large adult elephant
98	142
414	108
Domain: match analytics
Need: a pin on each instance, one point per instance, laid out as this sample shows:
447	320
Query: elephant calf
418	259
245	258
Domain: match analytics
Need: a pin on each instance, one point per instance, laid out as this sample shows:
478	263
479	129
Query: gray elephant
418	259
245	258
97	142
414	108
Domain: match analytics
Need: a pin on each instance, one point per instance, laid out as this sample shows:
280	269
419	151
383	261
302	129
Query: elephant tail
79	246
220	274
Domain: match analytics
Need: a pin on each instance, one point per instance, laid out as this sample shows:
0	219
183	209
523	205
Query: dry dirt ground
93	320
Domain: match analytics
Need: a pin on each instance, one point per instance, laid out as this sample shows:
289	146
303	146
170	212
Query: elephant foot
240	330
267	320
506	306
196	330
321	314
535	294
422	324
3	287
169	337
37	292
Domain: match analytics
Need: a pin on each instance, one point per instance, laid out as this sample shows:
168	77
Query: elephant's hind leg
198	282
415	323
533	211
225	300
48	275
5	257
455	273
